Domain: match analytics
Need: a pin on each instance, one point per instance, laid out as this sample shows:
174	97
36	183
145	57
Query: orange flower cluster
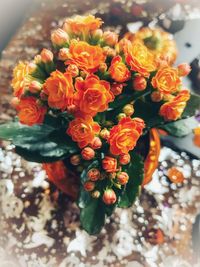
158	42
91	84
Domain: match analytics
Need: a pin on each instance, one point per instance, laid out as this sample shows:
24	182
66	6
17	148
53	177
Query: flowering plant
89	111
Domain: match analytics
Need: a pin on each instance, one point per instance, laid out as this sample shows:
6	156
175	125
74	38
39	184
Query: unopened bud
63	54
89	186
96	194
184	69
105	134
110	38
96	143
124	159
46	56
139	83
97	34
103	67
93	174
116	88
109	197
73	70
87	153
156	96
121	116
128	110
122	178
75	160
59	37
35	87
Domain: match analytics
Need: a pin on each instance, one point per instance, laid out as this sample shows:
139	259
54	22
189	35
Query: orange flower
64	179
83	130
173	109
109	164
86	57
93	95
158	42
123	137
59	88
139	58
166	80
82	24
30	112
118	70
21	78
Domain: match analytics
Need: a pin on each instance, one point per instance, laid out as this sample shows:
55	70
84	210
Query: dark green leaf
42	142
135	171
180	128
192	106
92	217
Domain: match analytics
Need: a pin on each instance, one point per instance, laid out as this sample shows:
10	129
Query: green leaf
39	143
192	106
16	131
135	171
180	128
92	217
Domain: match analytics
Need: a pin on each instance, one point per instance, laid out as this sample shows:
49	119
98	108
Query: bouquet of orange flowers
88	111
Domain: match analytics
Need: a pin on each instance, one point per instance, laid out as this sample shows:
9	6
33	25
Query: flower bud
105	134
96	194
103	67
156	96
32	67
96	143
110	38
35	87
184	69
128	110
93	174
108	51
14	102
124	159
109	197
89	186
46	56
37	59
109	164
59	37
87	153
73	70
75	160
117	88
122	178
139	83
121	116
97	34
63	54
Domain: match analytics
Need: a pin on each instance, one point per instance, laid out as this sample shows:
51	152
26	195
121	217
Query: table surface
40	227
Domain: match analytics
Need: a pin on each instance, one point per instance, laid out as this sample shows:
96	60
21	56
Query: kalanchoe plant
89	109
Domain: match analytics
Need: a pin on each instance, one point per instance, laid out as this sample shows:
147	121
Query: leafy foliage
39	143
135	171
